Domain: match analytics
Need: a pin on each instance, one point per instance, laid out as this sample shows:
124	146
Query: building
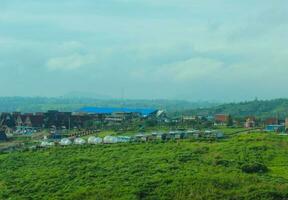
250	122
189	118
143	112
3	136
119	117
88	117
221	119
7	119
35	121
161	116
275	128
272	121
210	118
78	121
58	119
20	119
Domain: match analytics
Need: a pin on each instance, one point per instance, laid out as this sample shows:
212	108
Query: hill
38	104
252	166
259	108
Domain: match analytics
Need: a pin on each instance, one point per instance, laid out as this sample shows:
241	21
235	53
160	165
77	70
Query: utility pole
69	122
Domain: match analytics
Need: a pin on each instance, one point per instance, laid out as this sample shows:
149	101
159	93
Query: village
121	125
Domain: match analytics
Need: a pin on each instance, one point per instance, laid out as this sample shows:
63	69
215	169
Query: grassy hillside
234	168
269	108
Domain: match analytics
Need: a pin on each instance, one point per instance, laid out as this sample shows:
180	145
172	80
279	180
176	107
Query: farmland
246	166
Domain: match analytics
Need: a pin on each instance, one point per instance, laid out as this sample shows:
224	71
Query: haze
192	50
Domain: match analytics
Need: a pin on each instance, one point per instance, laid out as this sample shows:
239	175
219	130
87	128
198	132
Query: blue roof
275	127
95	110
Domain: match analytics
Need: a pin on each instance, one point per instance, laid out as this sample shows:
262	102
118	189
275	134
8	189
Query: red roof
221	118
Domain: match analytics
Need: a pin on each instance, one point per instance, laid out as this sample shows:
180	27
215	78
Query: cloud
71	62
194	68
185	71
153	48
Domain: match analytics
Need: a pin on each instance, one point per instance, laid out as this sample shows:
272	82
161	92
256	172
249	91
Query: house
114	119
29	121
78	120
141	137
272	121
36	121
119	117
161	116
219	134
161	136
175	120
221	119
178	134
56	136
213	134
189	118
210	118
250	122
275	128
56	118
20	119
39	113
171	135
3	136
7	119
124	139
193	134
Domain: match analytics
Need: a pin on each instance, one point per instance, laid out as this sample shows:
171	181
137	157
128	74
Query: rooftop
96	110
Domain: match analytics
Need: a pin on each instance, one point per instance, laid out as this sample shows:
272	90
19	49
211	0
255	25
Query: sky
193	50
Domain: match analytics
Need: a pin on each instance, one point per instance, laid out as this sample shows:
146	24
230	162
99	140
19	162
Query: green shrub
224	163
185	157
254	168
201	150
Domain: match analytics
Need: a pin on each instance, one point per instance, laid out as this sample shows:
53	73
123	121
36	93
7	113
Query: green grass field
247	166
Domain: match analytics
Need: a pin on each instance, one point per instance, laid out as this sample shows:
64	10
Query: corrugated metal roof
96	110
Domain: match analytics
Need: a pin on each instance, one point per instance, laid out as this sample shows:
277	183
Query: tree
229	121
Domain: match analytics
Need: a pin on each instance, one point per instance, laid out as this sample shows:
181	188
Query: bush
254	168
201	150
185	157
224	163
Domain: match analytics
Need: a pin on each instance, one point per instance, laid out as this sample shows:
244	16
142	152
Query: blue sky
195	50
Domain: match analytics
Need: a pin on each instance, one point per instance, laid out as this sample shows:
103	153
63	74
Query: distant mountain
38	104
77	94
259	108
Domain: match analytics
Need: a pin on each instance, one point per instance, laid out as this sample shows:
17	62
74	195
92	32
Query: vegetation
246	166
259	108
38	104
254	168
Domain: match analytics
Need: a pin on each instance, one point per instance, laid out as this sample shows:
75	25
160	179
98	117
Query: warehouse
143	112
